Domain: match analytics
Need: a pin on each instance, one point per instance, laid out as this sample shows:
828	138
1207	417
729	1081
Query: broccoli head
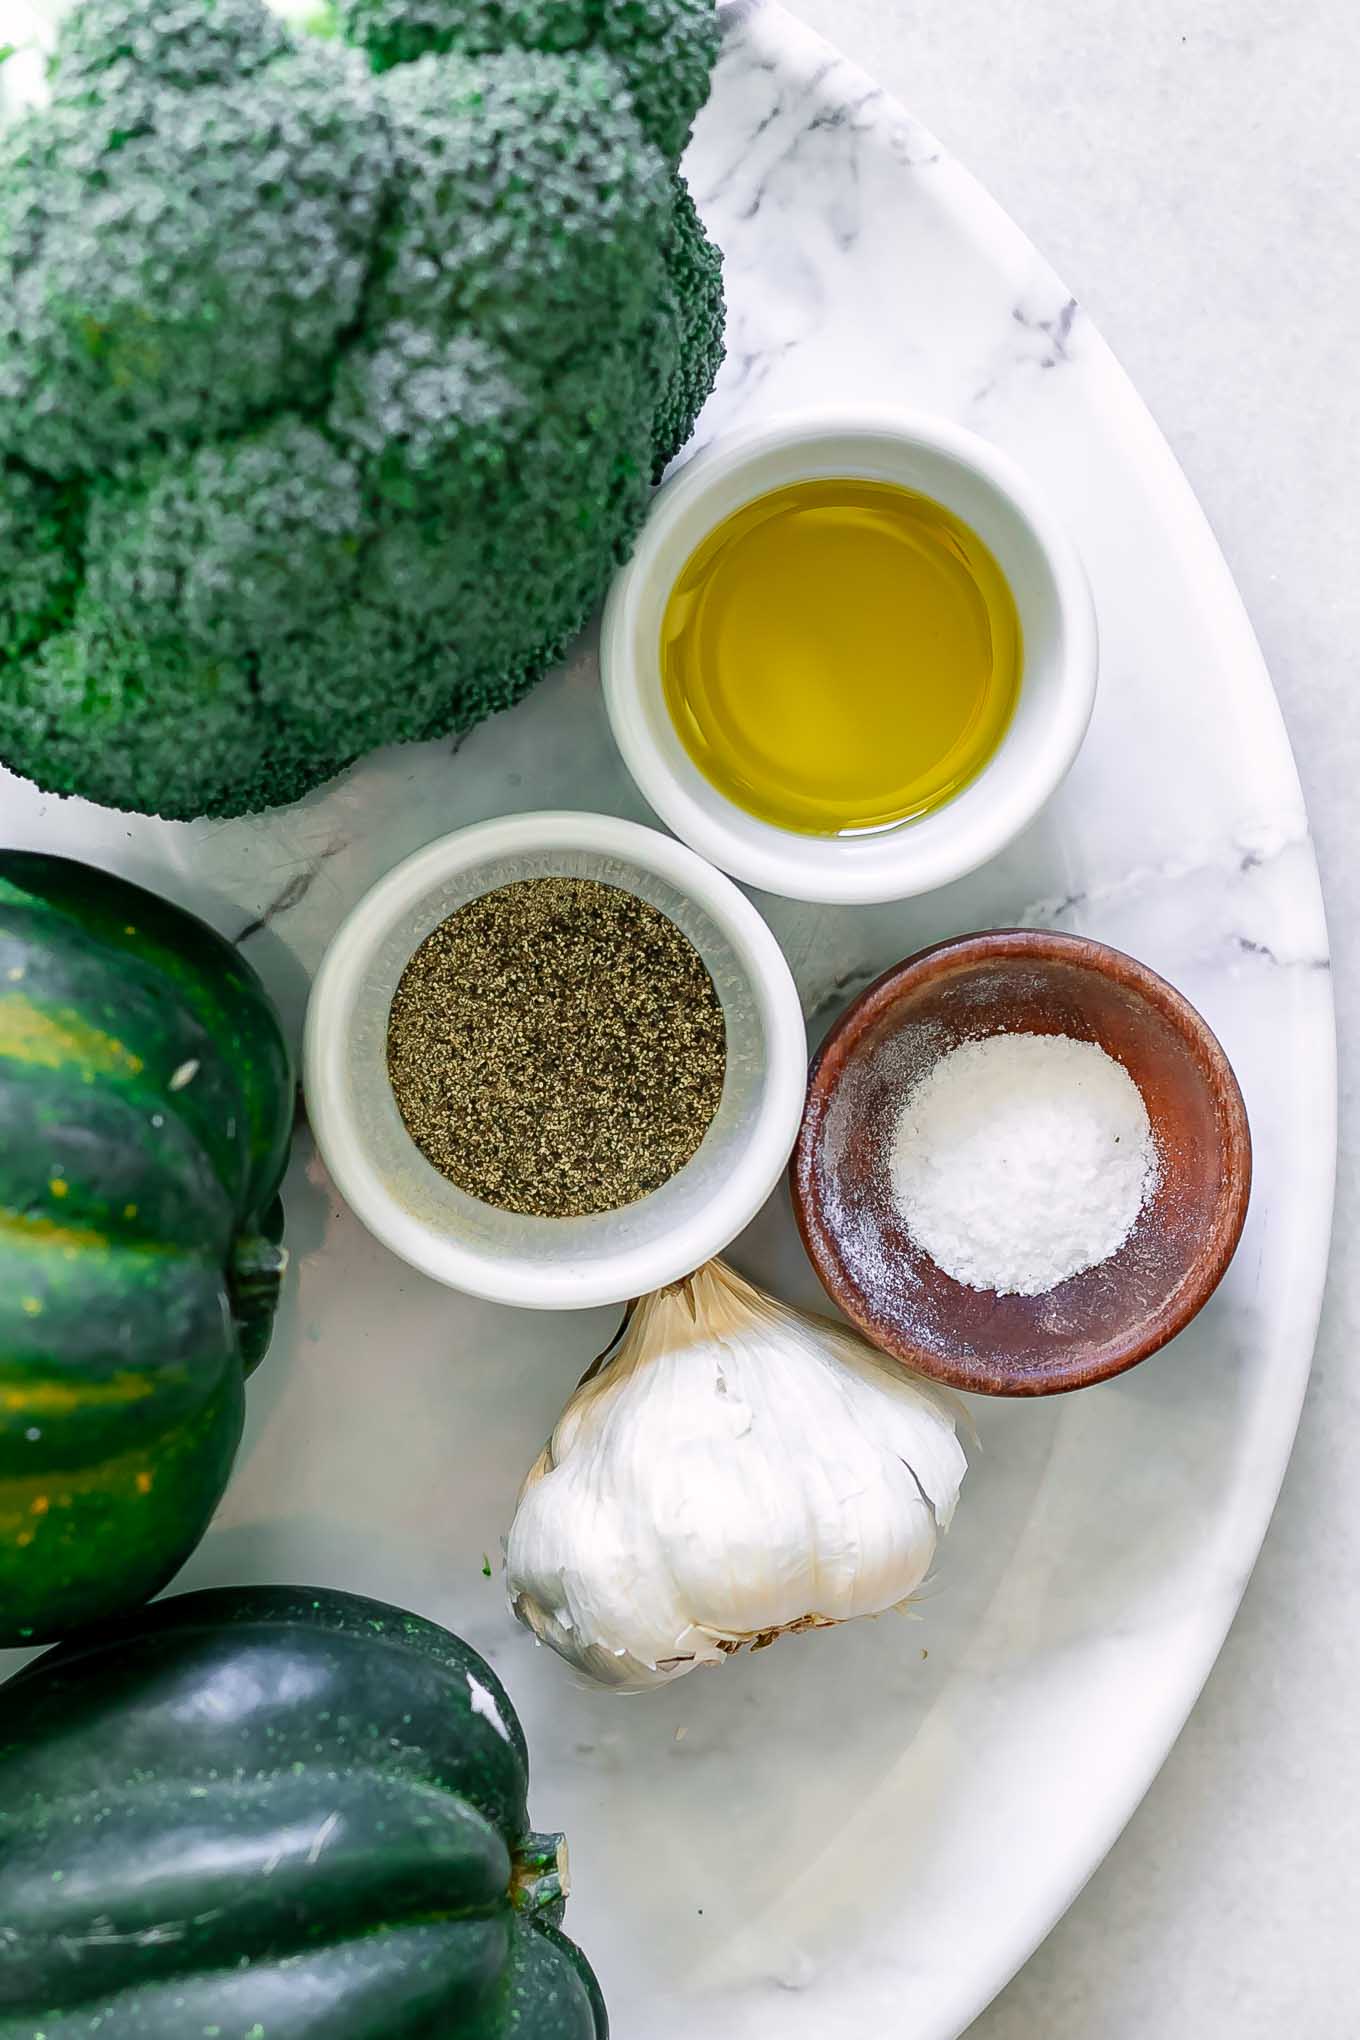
334	374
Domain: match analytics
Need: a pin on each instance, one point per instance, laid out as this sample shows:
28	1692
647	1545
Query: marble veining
864	1831
295	888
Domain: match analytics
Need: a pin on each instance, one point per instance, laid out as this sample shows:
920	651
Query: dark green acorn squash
276	1813
146	1107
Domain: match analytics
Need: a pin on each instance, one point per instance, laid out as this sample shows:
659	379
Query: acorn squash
146	1106
276	1813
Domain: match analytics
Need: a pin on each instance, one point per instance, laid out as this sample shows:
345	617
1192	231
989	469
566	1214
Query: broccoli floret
665	49
560	483
398	31
178	262
331	392
185	43
76	701
529	203
233	543
666	52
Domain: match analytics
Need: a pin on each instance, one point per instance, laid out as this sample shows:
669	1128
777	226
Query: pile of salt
1021	1159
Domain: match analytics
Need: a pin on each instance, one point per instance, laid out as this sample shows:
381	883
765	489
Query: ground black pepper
557	1047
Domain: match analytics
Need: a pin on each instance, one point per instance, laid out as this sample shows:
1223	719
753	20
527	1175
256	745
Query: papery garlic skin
734	1469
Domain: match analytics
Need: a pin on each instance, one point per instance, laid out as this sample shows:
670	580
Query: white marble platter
867	1830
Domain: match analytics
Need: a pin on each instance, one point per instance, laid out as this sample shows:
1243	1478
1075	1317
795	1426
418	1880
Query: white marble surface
851	1837
1190	167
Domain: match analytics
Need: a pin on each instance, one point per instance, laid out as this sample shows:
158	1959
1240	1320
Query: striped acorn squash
276	1813
146	1106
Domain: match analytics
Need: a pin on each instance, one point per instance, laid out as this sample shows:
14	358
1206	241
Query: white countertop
1191	168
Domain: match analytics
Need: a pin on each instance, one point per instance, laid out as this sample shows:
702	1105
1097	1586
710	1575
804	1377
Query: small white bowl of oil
852	656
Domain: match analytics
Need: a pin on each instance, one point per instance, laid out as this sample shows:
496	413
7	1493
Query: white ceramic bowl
1058	682
553	1263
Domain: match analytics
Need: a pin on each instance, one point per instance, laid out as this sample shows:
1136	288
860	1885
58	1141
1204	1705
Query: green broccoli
664	52
334	374
39	568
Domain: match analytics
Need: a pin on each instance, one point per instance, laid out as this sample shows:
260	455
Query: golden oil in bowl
840	656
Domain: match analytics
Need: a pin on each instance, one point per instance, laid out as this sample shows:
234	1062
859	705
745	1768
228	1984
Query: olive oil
840	656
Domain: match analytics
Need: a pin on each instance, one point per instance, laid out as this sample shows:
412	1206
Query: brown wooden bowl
1095	1324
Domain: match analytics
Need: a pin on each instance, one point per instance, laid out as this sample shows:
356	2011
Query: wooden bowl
1097	1323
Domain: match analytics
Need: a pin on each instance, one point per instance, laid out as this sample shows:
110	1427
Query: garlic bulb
730	1470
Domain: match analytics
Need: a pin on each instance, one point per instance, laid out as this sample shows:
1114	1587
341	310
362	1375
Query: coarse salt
1019	1160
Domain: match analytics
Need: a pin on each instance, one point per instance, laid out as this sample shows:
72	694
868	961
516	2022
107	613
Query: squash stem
540	1877
257	1266
253	1278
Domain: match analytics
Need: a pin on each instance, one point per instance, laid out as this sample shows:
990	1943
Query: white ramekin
1057	692
546	1263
